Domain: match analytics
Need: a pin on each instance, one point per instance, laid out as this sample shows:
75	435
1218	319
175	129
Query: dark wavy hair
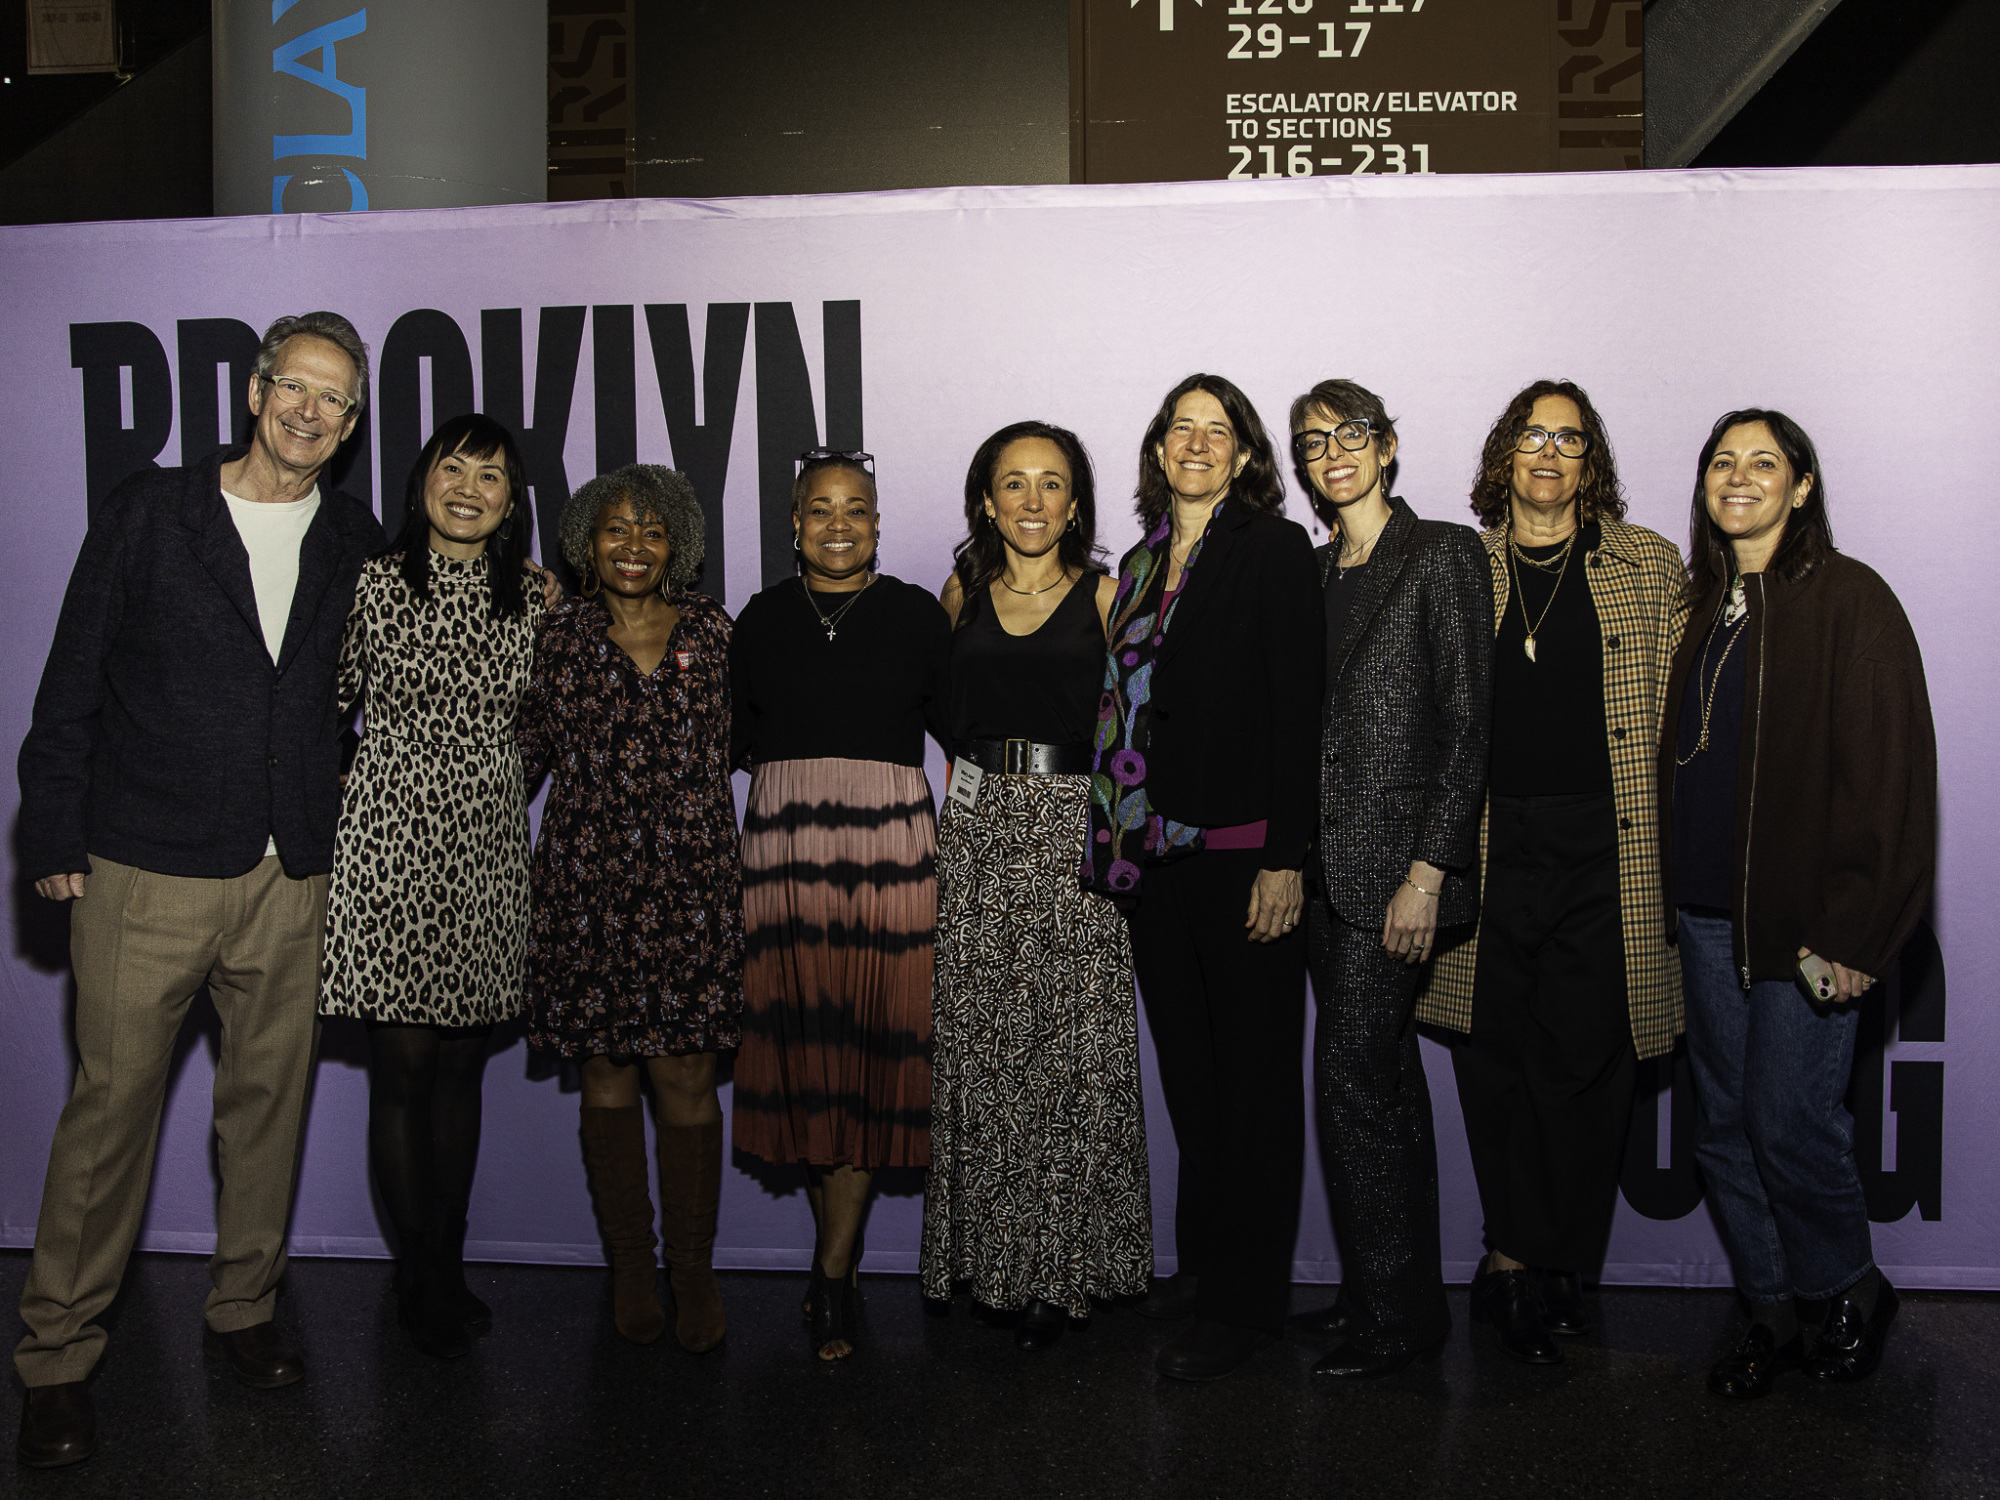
1808	537
1599	497
1258	487
979	559
476	437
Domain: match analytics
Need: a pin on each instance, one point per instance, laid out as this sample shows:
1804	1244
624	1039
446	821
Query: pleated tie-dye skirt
840	911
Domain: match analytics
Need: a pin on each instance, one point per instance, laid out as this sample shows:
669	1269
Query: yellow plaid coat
1635	582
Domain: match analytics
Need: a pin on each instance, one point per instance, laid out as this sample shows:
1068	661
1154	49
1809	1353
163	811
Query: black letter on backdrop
111	450
424	333
1915	986
1673	1191
204	344
785	425
612	376
701	451
557	350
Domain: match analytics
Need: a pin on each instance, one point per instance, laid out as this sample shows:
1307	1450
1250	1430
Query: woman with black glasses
1569	980
836	674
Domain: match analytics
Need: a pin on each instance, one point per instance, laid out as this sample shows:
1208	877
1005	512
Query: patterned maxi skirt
840	907
1038	1182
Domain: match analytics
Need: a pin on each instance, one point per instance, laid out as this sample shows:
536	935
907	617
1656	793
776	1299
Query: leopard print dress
427	910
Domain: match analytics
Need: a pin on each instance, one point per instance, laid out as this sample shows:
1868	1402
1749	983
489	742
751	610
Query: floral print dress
635	943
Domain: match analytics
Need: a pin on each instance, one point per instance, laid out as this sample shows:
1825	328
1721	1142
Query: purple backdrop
1863	301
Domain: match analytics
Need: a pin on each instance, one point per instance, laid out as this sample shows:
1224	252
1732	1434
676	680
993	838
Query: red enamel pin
683	659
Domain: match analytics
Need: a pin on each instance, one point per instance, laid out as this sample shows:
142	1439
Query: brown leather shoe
58	1426
257	1356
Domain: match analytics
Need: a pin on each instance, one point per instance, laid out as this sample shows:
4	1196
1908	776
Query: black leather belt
1024	757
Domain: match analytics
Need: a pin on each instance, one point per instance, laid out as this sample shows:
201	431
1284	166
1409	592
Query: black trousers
1546	1076
1376	1141
1228	1023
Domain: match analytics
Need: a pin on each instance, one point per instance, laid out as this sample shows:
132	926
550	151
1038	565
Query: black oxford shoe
256	1355
1563	1311
1209	1351
1170	1298
1850	1345
1038	1325
1347	1362
1507	1300
1331	1322
1748	1371
58	1426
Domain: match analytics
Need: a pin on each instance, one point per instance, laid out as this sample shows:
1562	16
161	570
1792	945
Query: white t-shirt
272	532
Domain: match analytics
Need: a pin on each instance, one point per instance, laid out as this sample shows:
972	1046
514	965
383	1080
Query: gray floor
555	1403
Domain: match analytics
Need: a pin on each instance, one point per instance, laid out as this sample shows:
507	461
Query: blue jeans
1776	1142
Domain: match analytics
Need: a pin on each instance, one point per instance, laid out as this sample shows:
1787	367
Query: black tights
423	1123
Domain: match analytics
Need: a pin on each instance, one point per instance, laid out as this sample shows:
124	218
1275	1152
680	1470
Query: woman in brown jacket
1799	792
1569	980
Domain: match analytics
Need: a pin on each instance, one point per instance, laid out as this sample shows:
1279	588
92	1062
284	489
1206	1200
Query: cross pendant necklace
834	619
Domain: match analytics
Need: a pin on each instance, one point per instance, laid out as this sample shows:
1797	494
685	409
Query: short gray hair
330	326
657	494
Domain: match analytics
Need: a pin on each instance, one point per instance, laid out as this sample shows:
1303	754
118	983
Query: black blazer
1236	687
1408	721
163	735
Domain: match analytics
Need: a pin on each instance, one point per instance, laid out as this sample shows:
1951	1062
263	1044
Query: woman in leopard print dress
427	910
1037	1197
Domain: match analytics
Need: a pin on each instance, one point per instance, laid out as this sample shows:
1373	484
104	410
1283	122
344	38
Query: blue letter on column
286	60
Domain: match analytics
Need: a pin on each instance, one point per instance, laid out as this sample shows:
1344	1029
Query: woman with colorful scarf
1204	795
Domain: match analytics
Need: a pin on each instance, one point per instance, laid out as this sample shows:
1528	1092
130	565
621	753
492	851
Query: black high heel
832	1319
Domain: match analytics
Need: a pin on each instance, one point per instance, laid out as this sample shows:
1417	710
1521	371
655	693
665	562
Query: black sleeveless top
1042	687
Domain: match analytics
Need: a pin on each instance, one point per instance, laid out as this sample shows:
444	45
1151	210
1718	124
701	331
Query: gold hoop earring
590	585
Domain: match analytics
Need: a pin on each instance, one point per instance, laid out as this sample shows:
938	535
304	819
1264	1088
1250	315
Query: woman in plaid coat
1569	980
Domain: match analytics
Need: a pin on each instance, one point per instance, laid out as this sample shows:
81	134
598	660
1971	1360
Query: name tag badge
683	659
964	784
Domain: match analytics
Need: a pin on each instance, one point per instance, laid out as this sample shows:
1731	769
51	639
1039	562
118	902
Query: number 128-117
1395	160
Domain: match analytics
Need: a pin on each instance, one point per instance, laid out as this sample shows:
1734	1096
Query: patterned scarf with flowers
1125	832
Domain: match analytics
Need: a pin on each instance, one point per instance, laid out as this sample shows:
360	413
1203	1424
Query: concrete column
329	105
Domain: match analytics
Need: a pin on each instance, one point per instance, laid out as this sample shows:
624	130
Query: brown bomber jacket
1836	793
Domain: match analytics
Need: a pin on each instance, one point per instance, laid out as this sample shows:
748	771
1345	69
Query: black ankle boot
424	1304
1038	1325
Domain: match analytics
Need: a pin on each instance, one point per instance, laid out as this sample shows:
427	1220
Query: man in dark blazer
180	783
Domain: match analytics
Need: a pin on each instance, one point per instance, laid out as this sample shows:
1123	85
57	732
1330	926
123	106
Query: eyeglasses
293	393
1311	443
1569	442
865	461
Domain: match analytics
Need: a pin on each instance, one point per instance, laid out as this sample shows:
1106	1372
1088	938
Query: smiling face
1751	490
1201	453
1030	501
835	526
629	555
1341	477
301	438
466	499
1545	480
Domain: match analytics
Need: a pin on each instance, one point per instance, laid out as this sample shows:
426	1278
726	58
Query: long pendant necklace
1534	626
834	619
1734	617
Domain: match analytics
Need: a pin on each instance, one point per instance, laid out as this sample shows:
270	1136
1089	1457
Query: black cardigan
163	735
1408	721
1237	685
1836	783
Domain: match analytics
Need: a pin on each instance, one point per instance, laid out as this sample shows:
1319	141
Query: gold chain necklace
834	619
1553	564
1707	701
1534	626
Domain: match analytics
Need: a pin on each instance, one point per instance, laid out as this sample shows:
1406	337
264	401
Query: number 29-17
1396	161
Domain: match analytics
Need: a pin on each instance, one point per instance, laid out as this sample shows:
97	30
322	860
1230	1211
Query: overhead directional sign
1181	89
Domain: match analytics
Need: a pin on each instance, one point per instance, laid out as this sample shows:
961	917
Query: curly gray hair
330	326
657	494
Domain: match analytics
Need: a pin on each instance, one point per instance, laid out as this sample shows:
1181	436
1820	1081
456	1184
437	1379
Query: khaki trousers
142	945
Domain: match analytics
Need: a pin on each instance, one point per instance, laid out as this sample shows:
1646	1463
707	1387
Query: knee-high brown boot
614	1155
690	1187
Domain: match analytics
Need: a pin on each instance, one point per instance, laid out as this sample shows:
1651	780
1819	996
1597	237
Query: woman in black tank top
1037	1197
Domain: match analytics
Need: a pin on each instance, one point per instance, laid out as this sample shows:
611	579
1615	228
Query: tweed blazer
1636	581
1409	690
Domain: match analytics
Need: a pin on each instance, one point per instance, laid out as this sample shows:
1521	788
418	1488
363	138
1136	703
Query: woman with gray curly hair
635	945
